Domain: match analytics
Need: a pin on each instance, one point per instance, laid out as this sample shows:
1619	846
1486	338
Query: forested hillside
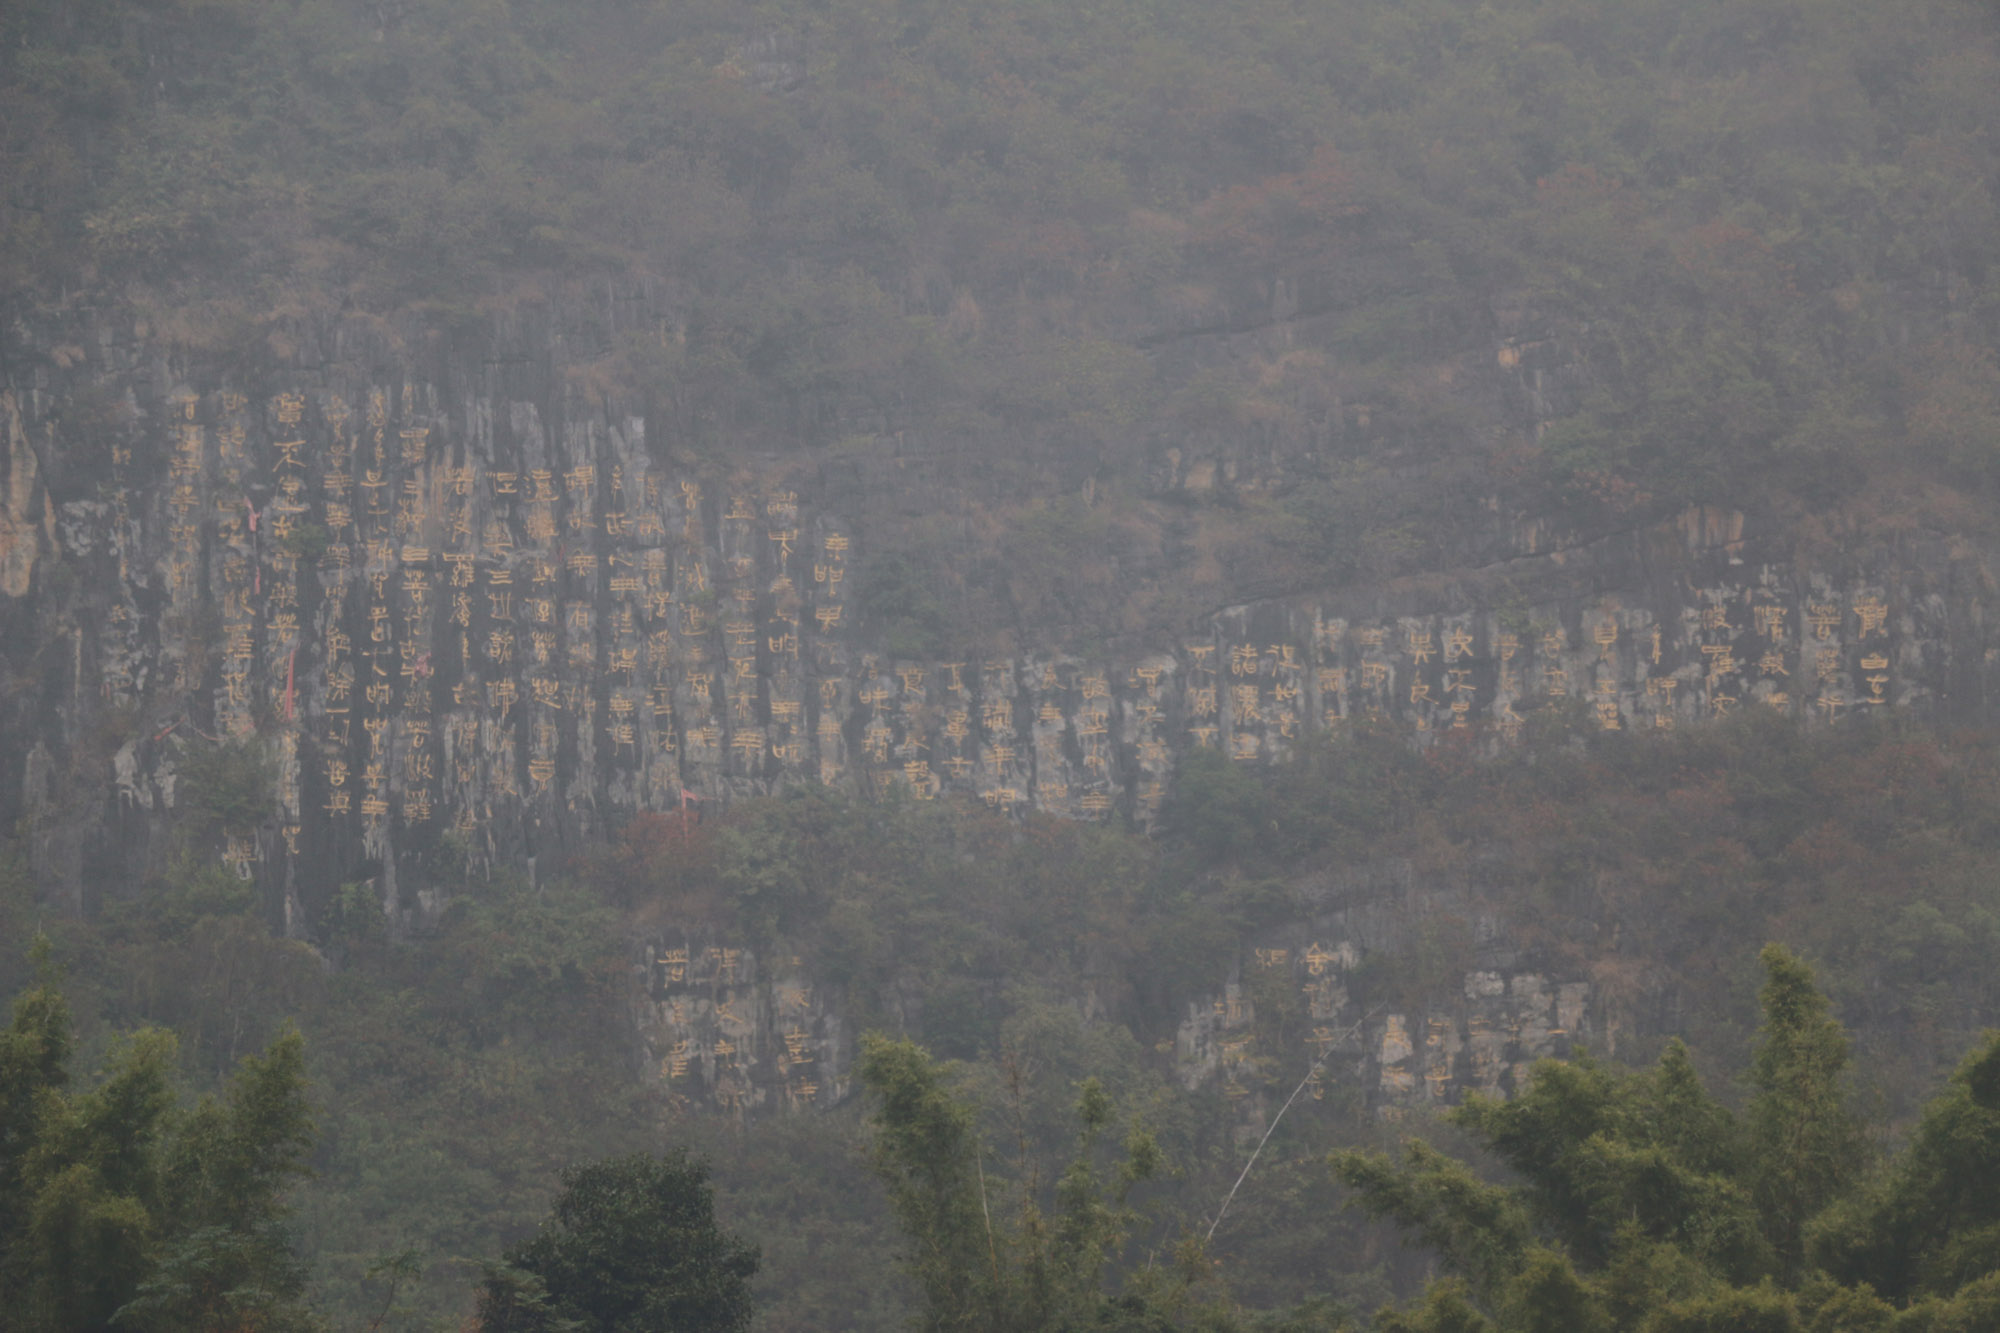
457	1070
1744	250
960	608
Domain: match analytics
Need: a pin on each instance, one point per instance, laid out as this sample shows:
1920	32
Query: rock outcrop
473	613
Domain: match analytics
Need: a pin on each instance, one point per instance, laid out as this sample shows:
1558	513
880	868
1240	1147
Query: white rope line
1316	1067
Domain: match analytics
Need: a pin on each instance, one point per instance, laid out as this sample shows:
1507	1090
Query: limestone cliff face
27	521
722	1030
472	611
1392	1059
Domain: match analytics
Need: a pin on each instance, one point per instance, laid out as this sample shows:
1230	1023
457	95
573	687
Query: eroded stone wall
723	1031
481	618
477	628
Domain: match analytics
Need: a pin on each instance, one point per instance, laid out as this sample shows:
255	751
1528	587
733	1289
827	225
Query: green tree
1642	1202
1805	1144
632	1244
1930	1222
1024	1268
118	1208
926	1152
1482	1232
34	1066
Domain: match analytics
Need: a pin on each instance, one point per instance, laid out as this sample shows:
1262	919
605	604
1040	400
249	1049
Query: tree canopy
1639	1202
1726	252
1005	1255
631	1245
122	1208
